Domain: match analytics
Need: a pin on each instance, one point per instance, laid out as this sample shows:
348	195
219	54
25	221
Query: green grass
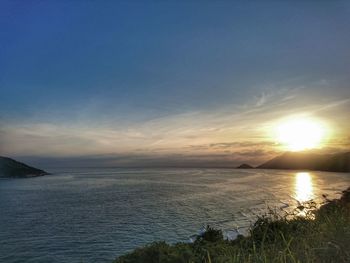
319	235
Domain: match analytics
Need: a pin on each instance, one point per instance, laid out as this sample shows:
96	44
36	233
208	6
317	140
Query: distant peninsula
10	168
339	162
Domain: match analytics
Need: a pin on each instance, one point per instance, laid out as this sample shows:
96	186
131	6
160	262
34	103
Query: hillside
10	168
310	161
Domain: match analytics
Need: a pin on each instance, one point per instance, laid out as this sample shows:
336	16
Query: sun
300	134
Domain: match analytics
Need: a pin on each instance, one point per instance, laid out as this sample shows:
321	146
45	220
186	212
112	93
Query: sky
168	83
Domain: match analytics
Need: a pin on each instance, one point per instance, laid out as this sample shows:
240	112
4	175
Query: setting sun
301	134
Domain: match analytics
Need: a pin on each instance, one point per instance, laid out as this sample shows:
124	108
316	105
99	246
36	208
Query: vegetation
307	235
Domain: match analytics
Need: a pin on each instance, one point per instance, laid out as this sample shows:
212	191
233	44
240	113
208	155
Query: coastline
310	234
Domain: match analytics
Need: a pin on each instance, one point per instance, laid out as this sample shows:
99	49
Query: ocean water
94	215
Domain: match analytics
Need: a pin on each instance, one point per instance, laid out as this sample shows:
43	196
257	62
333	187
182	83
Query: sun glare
301	134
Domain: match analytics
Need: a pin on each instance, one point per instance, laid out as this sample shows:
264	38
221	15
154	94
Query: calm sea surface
94	215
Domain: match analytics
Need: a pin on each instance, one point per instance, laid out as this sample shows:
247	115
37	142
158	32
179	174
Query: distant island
10	168
245	166
339	162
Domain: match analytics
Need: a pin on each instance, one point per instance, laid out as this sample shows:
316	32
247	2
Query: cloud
241	144
234	133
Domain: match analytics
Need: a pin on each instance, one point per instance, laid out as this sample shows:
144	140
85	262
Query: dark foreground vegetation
307	235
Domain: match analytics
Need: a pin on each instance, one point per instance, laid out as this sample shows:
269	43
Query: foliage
307	235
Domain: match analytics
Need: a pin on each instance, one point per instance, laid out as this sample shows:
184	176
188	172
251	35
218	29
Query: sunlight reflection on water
96	214
303	187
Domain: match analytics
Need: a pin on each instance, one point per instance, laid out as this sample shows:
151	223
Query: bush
211	235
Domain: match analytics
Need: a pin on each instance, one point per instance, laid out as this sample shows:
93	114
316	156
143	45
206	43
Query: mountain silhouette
11	168
339	162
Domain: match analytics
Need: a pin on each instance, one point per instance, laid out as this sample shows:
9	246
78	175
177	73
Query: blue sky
97	78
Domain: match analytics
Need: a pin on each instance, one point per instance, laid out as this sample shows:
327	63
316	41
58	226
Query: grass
310	234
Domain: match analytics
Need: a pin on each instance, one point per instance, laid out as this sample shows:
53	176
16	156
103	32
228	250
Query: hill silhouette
245	166
11	168
339	162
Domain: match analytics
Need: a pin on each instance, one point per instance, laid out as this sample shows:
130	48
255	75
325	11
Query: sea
97	214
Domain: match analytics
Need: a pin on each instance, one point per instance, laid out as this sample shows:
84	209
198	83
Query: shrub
310	235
